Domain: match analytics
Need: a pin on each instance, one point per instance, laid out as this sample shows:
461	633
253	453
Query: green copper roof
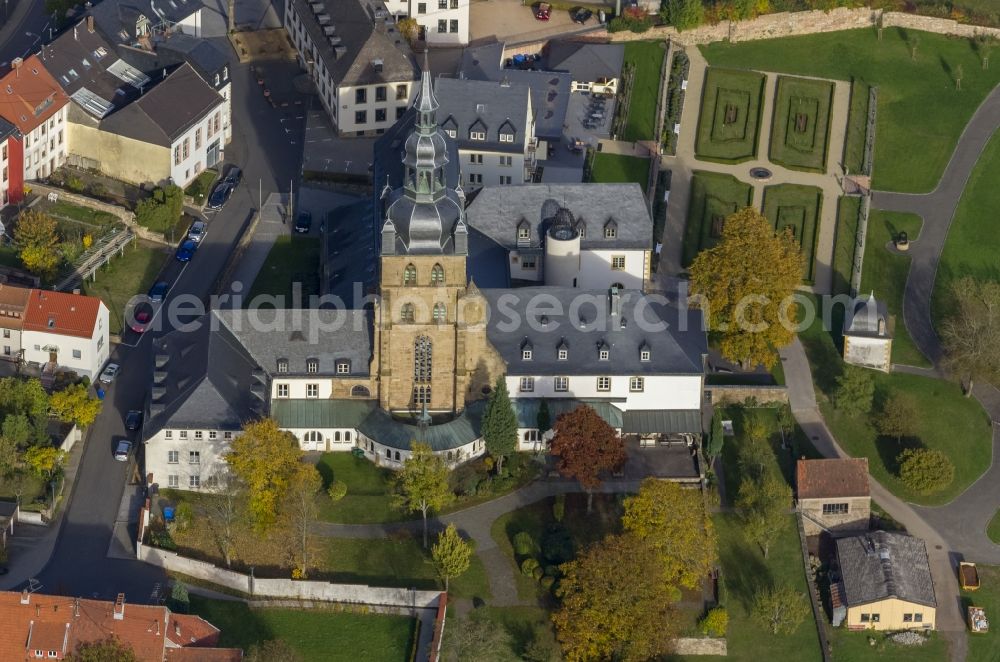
313	413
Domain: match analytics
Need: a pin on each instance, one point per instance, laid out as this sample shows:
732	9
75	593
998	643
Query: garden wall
735	394
700	646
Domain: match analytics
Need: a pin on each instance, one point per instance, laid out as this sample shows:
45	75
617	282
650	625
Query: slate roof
488	263
172	50
486	105
674	335
351	256
863	319
168	110
321	414
587	62
879	565
497	210
832	478
30	95
526	410
363	38
388	431
114	17
62	313
663	421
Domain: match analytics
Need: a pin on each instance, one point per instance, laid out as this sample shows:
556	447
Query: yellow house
884	583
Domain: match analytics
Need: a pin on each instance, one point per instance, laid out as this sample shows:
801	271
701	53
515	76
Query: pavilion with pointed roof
868	334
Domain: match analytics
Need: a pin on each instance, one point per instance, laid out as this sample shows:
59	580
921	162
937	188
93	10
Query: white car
122	450
110	372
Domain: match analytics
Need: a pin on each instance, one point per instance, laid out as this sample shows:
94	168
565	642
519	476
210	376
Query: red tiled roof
187	630
62	313
13	301
29	95
826	479
204	655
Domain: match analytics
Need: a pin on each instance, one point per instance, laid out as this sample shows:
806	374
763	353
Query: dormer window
563	353
506	137
523	231
477	135
605	355
526	354
610	229
451	133
217	80
282	365
603	351
343	367
644	354
312	366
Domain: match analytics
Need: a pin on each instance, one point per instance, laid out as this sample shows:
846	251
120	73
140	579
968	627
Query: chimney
76	607
90	24
177	628
25	597
16	63
120	607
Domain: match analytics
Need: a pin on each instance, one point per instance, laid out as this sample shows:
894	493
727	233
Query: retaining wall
737	393
700	646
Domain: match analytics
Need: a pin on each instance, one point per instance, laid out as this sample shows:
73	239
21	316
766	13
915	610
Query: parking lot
512	22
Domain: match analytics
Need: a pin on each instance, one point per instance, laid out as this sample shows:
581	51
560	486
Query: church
543	285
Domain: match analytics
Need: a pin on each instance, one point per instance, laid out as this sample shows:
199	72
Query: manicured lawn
797	207
201	186
713	197
920	114
973	242
396	561
367	500
731	104
319	635
985	647
612	168
993	529
845	243
885	273
857	126
854	647
291	260
124	277
800	130
647	58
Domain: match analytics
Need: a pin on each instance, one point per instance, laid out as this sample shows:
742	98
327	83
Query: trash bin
100	393
357	452
168	513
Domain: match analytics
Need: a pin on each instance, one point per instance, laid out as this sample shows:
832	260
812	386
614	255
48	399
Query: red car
542	11
141	322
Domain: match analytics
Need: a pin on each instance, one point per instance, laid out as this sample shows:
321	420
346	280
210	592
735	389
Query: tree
500	424
683	14
36	237
615	604
180	600
264	458
716	438
337	490
914	42
8	455
744	284
673	521
111	649
544	418
880	24
959	72
301	508
477	639
970	334
422	484
763	504
44	460
17	428
74	404
272	650
23	396
226	512
781	609
984	44
899	416
408	29
586	446
855	390
925	470
451	555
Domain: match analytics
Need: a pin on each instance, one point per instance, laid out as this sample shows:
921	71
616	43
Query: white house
36	105
441	22
65	332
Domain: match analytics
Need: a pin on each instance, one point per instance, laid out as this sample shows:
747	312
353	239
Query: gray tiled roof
676	349
363	38
487	104
587	62
880	565
497	210
863	319
115	16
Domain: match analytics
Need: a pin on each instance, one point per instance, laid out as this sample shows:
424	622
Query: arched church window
410	275
440	312
360	391
406	313
437	275
422	360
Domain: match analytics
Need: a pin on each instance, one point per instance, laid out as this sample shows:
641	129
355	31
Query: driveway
512	22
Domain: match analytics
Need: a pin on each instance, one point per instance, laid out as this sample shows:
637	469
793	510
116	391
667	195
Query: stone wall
700	646
735	394
939	25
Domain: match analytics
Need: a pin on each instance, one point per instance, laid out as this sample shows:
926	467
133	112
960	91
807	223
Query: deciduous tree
780	609
970	335
23	396
673	521
683	14
37	240
499	424
44	460
855	390
925	470
111	649
615	604
899	416
763	504
478	639
451	554
586	446
17	428
422	484
984	44
746	283
300	509
226	512
716	438
264	458
74	404
8	456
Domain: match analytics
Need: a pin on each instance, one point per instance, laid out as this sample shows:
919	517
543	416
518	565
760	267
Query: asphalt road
28	31
267	144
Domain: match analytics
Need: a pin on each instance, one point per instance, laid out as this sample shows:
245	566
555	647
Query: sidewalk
271	225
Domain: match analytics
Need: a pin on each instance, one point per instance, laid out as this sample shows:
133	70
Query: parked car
220	195
186	251
303	222
197	231
159	291
110	372
122	449
542	11
133	419
233	177
141	320
581	15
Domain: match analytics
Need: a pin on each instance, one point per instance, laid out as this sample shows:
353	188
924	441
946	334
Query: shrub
98	190
559	507
524	544
180	602
337	490
551	570
557	545
547	583
715	622
924	470
183	515
74	184
537	574
529	566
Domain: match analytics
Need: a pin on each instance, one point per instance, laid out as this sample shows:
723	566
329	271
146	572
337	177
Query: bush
715	622
529	566
547	583
98	190
557	545
161	211
183	516
337	490
925	471
74	184
633	19
524	544
559	507
551	571
537	574
180	602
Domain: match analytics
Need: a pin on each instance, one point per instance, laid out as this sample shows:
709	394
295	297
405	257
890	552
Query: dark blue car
158	291
186	251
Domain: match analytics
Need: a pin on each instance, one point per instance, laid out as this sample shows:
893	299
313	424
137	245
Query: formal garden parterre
800	131
714	196
729	124
796	208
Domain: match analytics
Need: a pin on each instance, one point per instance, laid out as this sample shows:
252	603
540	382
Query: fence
819	616
866	165
95	257
859	244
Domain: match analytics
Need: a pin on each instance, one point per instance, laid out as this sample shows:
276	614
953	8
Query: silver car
122	450
110	372
198	231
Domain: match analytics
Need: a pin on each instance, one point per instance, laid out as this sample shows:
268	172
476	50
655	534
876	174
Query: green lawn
396	561
201	186
731	103
993	529
124	277
845	243
885	273
855	647
919	110
367	500
713	197
612	168
526	625
647	58
63	209
800	126
291	260
973	242
857	126
985	647
317	635
797	207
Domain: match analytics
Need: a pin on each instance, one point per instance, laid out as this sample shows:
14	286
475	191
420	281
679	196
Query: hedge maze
800	129
798	208
730	115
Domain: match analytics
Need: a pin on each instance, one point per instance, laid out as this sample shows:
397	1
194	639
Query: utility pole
291	202
260	194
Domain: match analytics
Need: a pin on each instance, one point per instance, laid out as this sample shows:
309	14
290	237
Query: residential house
595	68
362	67
51	627
32	100
13	304
11	164
440	22
493	124
134	21
833	495
65	332
884	583
867	334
